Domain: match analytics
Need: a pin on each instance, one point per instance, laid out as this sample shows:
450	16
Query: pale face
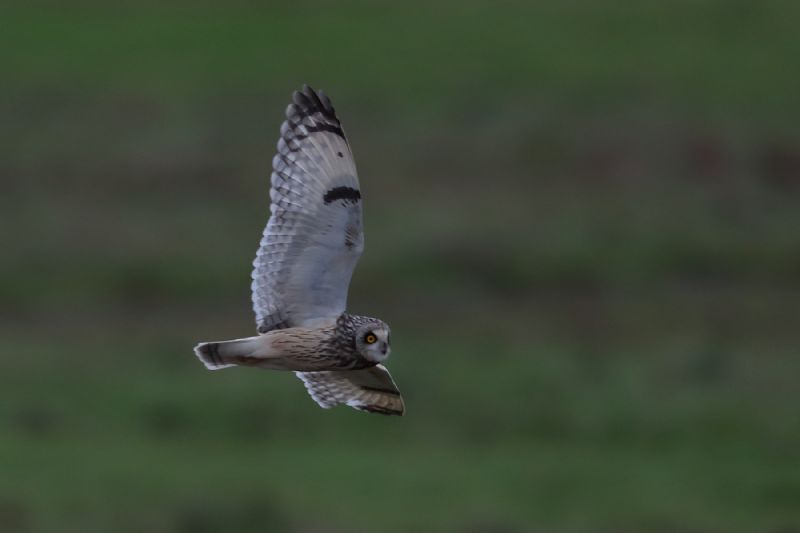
372	342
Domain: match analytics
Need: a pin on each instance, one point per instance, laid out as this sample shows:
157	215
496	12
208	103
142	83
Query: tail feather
225	354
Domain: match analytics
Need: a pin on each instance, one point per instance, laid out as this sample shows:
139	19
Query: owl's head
372	341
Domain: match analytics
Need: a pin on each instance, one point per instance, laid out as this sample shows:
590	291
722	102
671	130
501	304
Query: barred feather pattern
371	389
314	236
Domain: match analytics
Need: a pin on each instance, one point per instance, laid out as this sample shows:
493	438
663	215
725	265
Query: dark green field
582	223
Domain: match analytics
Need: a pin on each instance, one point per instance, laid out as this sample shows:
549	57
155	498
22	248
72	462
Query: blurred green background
582	223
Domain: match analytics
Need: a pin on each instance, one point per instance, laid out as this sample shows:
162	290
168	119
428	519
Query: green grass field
581	222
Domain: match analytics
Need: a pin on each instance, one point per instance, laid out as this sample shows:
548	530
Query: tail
225	354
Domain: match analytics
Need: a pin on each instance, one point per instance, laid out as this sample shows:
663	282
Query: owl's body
332	347
303	267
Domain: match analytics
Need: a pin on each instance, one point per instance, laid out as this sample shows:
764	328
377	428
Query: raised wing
371	389
314	237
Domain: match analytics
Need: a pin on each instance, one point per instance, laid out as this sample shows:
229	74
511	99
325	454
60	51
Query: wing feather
371	389
314	236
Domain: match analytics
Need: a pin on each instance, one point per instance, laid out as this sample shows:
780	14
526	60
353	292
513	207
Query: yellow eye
370	338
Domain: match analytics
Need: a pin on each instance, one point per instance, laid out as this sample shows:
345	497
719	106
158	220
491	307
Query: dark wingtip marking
309	103
378	389
313	96
300	99
342	193
380	410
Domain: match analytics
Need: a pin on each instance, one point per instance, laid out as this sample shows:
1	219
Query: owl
303	267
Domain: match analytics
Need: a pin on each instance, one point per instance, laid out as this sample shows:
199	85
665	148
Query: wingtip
326	102
300	99
380	410
308	97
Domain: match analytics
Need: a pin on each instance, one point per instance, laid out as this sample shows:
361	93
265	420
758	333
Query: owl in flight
303	268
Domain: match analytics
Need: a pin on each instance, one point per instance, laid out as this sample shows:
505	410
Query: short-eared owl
303	268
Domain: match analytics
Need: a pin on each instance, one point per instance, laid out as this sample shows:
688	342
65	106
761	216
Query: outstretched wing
314	237
370	389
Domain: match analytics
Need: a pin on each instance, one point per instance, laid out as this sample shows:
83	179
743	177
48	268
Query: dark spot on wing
331	128
347	194
339	154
